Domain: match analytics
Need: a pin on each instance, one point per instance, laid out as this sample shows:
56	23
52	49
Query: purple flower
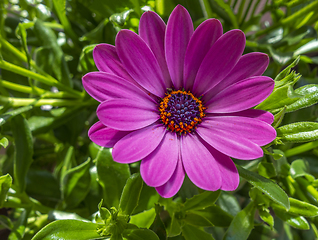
179	100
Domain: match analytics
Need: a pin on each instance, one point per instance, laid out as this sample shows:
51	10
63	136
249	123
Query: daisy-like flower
180	101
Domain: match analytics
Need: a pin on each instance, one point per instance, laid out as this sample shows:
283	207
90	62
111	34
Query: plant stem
246	12
302	181
43	79
299	14
34	90
18	102
240	11
23	57
298	191
254	8
301	149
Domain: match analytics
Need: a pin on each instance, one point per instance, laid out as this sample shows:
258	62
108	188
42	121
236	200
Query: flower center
180	111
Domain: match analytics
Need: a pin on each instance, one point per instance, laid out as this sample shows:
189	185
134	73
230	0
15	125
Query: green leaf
144	219
131	193
5	184
229	203
4	142
50	56
158	226
67	230
299	208
148	198
278	118
76	184
43	185
86	59
104	213
5	117
310	97
197	220
295	221
139	234
19	228
283	74
202	200
60	215
210	216
191	232
22	35
298	132
282	95
6	222
112	176
242	224
300	168
296	36
224	10
266	217
266	169
271	189
23	150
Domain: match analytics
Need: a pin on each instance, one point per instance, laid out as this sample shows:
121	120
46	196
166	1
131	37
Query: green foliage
56	184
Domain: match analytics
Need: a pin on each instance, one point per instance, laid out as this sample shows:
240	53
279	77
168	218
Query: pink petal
219	61
152	30
228	170
106	60
178	34
249	65
103	86
199	164
157	168
252	113
138	144
105	136
242	95
127	115
253	129
140	62
200	43
229	143
170	188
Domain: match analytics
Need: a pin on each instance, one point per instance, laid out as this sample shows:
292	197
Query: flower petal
138	144
251	113
152	30
249	65
253	129
107	60
157	168
229	173
127	115
170	188
199	164
241	96
200	43
229	143
140	62
105	136
178	33
103	86
219	61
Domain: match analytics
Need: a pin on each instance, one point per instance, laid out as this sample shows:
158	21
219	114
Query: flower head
180	101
